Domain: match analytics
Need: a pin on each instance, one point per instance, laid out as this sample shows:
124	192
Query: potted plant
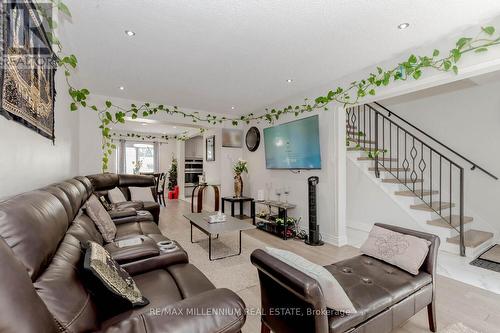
137	166
239	168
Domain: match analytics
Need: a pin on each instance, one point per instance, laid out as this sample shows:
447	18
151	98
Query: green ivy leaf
462	42
489	30
372	92
447	65
412	59
417	74
455	69
108	104
435	53
481	49
73	107
64	9
456	55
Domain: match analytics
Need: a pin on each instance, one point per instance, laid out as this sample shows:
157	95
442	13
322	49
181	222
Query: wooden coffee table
200	221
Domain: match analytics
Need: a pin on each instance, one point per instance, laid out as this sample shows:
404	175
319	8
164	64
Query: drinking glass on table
278	194
286	192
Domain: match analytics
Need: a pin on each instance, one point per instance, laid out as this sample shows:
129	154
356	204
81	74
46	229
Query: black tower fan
314	236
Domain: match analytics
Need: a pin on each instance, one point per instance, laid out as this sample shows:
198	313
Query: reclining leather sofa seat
102	183
41	289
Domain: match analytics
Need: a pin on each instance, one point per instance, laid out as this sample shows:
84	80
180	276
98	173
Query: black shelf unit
268	223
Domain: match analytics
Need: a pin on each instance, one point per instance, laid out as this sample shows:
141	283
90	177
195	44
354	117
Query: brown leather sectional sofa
102	183
384	295
41	288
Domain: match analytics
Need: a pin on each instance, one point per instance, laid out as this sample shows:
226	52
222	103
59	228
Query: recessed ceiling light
130	33
403	26
289	80
122	88
232	107
143	124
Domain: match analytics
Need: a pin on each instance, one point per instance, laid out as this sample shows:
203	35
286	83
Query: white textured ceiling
141	125
213	54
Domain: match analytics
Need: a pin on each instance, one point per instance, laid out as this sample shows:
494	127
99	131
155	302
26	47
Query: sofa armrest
295	281
133	253
284	287
160	261
217	310
120	213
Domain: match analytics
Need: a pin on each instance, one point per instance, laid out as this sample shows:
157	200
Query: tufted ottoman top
372	285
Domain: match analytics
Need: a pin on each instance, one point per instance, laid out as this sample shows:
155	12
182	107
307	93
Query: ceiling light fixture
122	88
130	33
289	80
232	108
403	26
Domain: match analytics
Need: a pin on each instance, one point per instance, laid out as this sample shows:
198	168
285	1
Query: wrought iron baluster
397	153
462	232
440	183
451	208
353	122
358	129
413	154
430	172
370	111
383	141
422	165
406	164
377	171
390	145
364	125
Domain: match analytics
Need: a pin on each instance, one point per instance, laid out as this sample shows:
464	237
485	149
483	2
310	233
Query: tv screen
294	145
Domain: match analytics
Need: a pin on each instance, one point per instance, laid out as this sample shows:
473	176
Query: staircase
411	167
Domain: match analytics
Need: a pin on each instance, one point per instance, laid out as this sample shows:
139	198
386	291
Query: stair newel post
376	152
462	232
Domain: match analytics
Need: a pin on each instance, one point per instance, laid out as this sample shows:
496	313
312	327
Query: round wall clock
253	138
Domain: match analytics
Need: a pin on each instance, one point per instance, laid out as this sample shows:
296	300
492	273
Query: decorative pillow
334	294
141	194
101	218
404	251
116	195
108	282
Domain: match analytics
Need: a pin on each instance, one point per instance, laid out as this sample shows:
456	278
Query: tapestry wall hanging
27	67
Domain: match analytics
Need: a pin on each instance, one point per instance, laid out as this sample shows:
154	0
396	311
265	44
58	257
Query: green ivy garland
144	137
412	68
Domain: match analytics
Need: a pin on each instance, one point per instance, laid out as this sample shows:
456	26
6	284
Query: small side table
240	200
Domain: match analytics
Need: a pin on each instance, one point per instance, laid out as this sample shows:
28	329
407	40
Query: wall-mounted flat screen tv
293	145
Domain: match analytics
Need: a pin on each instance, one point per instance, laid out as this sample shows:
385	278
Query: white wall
368	203
167	152
220	171
30	160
